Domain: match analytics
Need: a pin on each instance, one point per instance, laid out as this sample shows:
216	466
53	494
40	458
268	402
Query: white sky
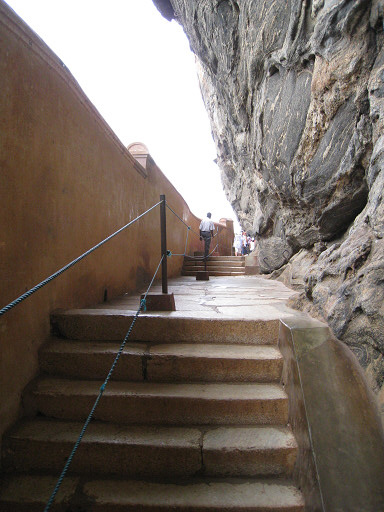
138	70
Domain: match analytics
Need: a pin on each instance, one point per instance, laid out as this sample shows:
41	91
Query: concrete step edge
200	391
216	258
223	264
154	403
157	450
98	432
199	350
189	362
213	268
208	495
214	272
224	271
112	324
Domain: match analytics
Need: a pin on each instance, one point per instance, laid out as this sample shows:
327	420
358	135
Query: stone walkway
247	297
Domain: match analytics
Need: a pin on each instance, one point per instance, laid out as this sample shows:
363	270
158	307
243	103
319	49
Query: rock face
295	93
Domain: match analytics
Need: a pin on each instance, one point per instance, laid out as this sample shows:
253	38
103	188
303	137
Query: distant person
238	244
248	244
244	243
252	244
206	232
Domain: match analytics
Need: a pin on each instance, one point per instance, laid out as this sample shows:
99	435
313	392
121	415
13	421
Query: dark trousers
207	241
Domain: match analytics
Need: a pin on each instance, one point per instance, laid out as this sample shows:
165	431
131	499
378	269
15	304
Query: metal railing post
163	230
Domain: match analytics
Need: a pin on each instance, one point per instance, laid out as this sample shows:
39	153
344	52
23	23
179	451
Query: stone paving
247	297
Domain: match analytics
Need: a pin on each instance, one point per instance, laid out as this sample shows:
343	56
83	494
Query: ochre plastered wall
67	183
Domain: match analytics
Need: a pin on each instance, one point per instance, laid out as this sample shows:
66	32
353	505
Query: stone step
113	324
143	451
237	269
217	273
205	496
215	268
160	403
216	258
213	264
30	493
163	362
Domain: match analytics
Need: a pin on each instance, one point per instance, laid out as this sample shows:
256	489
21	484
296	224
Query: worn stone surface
268	451
108	495
151	451
159	403
295	94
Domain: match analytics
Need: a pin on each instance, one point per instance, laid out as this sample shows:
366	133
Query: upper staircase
215	265
194	418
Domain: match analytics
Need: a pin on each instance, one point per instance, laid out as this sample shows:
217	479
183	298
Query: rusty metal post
163	230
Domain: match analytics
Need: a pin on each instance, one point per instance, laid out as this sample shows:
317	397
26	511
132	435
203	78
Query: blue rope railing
27	294
101	391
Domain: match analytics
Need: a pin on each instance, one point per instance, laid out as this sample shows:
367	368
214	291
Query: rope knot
169	254
143	304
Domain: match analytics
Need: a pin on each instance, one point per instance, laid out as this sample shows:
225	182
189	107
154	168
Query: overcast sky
138	70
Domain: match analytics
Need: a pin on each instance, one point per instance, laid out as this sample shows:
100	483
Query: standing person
244	243
206	232
238	244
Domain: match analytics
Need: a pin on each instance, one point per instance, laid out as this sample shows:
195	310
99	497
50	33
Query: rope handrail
189	227
213	250
28	293
101	391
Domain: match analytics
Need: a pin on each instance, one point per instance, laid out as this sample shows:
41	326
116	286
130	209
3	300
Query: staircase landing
228	297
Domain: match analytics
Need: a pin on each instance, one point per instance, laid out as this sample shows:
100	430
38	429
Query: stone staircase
194	419
216	265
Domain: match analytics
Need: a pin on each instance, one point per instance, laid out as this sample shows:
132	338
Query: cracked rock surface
295	95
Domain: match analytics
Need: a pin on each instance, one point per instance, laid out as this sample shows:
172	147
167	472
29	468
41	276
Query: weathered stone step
161	403
211	272
27	493
31	493
143	451
215	258
214	264
113	324
163	363
205	496
214	268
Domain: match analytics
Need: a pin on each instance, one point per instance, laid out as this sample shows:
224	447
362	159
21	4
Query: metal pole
163	230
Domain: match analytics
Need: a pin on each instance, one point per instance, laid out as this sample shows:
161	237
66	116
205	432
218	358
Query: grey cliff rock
295	93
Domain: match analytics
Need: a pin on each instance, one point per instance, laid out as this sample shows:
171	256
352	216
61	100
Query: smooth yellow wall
67	182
